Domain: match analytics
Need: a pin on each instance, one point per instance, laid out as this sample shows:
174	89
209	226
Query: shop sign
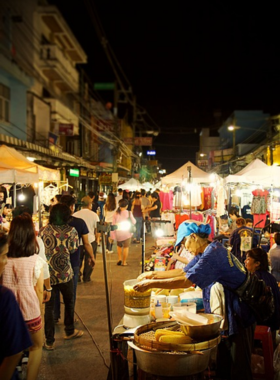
115	177
139	141
105	125
151	152
92	175
143	141
74	172
83	172
105	179
66	129
52	138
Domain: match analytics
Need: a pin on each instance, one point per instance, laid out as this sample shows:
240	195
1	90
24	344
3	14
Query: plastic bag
276	359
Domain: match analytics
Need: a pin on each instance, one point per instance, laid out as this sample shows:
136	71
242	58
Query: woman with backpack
257	262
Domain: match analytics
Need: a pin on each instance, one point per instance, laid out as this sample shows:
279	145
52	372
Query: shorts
34	325
124	243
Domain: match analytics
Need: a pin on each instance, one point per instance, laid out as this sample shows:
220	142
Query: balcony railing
57	68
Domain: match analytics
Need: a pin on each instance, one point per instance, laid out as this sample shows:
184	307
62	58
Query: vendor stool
263	334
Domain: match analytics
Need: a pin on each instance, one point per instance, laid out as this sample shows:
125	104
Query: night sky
184	60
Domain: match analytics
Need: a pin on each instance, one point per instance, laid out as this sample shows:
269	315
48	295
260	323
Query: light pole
232	128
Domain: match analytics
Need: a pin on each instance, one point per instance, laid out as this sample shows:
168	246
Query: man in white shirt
91	219
119	196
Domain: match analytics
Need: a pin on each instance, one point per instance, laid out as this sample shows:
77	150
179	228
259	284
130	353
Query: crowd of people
219	271
37	268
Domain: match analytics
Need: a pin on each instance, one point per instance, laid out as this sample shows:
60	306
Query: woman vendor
214	264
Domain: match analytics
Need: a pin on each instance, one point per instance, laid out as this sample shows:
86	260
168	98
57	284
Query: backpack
258	296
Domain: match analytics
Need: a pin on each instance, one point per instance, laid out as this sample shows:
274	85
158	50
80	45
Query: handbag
132	227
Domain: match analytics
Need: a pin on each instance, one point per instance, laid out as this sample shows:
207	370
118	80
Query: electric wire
38	76
100	32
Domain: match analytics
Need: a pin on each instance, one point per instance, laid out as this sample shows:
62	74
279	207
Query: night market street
88	357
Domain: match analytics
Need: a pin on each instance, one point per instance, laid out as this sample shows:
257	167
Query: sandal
76	334
119	262
48	347
124	265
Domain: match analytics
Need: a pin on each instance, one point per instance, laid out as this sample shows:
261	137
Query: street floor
88	357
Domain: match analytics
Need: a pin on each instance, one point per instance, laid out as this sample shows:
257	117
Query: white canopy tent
257	173
181	174
10	175
131	185
25	171
147	186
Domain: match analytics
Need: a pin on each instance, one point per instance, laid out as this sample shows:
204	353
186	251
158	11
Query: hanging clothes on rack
207	191
166	198
259	206
211	220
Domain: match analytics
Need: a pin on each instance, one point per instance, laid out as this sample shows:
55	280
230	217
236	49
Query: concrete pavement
88	357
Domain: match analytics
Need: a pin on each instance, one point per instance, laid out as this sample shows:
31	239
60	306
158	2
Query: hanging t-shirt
259	203
207	197
246	212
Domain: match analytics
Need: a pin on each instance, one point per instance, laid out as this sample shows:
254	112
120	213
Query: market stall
18	173
255	192
194	194
131	185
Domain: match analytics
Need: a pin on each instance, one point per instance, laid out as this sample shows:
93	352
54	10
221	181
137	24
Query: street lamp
232	128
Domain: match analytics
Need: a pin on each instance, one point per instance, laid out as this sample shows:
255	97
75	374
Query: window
4	103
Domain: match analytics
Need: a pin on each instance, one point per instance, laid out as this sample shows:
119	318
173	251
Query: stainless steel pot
204	332
171	364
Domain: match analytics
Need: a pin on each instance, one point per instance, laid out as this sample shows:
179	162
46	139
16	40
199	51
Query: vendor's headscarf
186	229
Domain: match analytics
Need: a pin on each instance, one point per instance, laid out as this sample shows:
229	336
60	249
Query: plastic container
134	299
172	299
159	297
160	264
158	310
189	306
195	296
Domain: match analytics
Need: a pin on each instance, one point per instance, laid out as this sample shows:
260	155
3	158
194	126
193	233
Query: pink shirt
19	277
117	218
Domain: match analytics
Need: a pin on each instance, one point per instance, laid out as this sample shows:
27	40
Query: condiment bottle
158	310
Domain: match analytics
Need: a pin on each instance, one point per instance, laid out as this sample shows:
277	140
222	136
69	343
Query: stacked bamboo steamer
144	337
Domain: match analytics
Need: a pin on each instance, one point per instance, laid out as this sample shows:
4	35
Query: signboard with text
139	141
66	129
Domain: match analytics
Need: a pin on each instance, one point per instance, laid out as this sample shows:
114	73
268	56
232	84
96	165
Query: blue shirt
14	335
81	227
216	264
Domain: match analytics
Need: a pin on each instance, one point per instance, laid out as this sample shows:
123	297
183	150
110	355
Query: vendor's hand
145	275
143	286
46	296
175	256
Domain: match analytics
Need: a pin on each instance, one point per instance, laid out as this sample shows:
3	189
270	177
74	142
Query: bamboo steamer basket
147	343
